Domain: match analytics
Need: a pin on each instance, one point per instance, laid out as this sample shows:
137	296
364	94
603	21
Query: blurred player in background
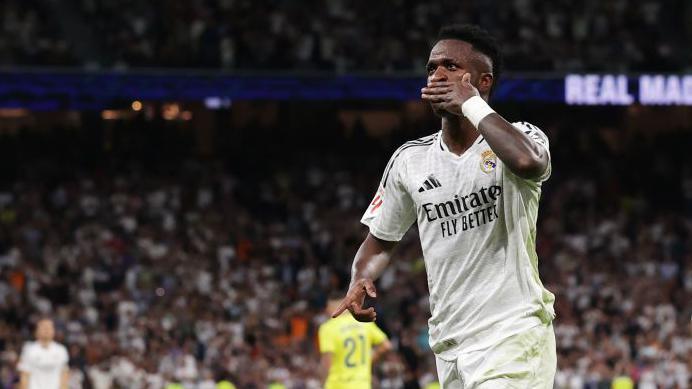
349	348
473	188
43	363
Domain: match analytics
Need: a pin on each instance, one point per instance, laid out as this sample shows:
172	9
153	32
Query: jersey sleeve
325	339
64	356
376	335
391	212
24	364
541	139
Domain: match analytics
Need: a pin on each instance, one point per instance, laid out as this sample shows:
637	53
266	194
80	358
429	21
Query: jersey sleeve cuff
548	169
382	235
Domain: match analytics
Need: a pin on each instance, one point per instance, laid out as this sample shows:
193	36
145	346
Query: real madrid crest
488	161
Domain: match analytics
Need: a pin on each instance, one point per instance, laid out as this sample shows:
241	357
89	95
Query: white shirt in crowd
45	365
477	225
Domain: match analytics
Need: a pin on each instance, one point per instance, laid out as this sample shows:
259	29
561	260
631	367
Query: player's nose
439	74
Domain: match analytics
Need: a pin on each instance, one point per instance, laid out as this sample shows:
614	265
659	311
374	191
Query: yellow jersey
350	343
622	382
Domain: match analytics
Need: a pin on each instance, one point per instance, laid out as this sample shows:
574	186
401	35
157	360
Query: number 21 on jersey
355	351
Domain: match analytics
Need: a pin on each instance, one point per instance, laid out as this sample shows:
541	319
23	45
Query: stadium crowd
346	36
209	274
30	36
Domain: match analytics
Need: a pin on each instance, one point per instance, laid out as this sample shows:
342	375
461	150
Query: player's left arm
325	365
518	151
327	347
380	350
379	340
65	378
23	368
23	380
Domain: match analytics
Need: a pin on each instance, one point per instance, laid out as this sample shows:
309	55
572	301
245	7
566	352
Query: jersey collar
442	147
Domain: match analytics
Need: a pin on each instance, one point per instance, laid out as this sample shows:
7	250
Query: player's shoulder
28	346
421	144
423	139
327	325
532	131
413	148
59	346
334	326
526	126
406	151
31	349
370	326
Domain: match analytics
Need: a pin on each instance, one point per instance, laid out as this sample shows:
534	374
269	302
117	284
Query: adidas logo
430	183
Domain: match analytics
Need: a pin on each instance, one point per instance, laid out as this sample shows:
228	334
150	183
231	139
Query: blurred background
181	183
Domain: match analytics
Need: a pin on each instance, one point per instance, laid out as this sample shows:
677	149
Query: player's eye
451	66
431	69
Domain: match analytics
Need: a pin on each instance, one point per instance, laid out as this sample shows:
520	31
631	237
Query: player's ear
485	83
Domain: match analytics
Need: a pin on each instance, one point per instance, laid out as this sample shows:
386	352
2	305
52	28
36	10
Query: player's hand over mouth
449	95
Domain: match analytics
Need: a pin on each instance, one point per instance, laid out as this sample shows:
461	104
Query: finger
356	309
436	90
434	98
440	84
367	317
370	289
436	95
361	314
438	87
341	308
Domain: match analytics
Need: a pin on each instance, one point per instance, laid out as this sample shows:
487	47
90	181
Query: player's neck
44	343
458	134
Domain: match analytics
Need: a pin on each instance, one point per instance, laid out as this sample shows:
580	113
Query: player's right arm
379	340
368	264
325	364
65	378
23	367
327	346
389	216
524	155
24	380
380	350
65	375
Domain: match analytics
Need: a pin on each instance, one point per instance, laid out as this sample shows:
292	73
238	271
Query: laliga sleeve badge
377	201
488	161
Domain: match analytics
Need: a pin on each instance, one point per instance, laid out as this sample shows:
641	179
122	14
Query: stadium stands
347	36
29	36
180	240
212	273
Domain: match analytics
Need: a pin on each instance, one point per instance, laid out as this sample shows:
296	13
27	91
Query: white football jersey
45	365
477	226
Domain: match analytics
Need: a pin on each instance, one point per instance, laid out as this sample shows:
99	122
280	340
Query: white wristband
475	109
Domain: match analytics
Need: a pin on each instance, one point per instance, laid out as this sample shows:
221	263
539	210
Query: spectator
212	277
